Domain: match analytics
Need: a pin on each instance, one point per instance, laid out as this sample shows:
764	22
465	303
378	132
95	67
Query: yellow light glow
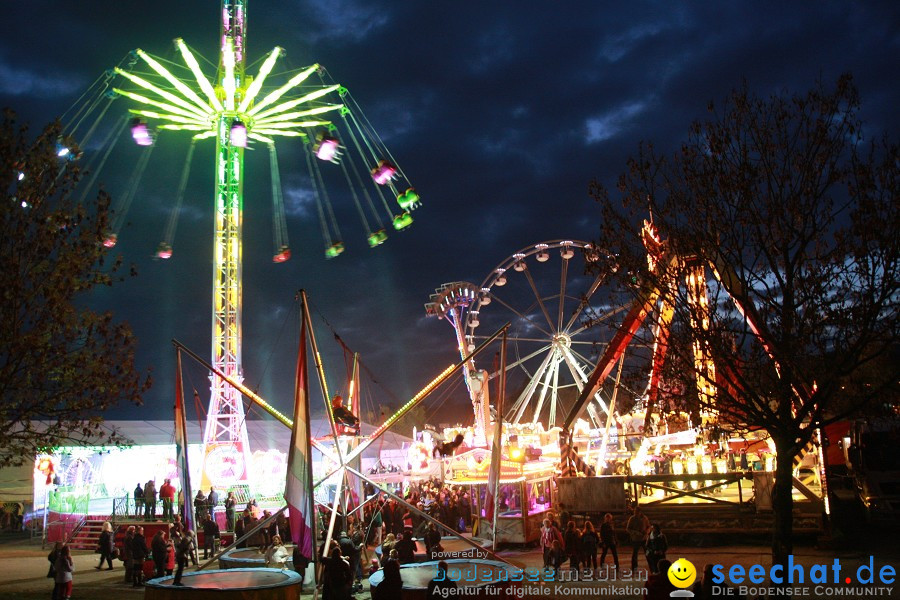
172	98
264	71
202	81
190	94
275	95
173	127
260	138
150	114
287	133
292	124
228	82
294	115
291	103
164	105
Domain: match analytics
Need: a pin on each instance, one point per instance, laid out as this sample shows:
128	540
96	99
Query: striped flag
298	488
181	449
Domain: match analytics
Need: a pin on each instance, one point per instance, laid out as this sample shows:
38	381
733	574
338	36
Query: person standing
391	586
589	543
608	539
150	500
170	556
128	553
63	579
158	551
377	524
657	545
210	537
105	546
212	501
199	507
138	554
167	496
230	504
138	501
637	528
441	584
572	542
337	577
51	573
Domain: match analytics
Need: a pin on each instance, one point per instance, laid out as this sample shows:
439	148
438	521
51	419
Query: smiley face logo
682	573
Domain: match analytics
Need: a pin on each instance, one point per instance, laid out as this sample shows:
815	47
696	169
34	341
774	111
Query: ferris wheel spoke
520	361
585	302
562	293
574	364
600	319
538	297
521	316
545	385
521	402
554	393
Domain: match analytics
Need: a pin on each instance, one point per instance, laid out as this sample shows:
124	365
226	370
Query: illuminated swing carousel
236	110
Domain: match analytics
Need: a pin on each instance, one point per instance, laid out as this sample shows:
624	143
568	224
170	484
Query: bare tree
61	364
789	217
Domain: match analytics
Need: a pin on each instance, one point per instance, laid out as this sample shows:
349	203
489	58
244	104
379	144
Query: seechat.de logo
682	574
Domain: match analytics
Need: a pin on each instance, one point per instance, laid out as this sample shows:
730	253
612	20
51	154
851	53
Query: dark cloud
500	113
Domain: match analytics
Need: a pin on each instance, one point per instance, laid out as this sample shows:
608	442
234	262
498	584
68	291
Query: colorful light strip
274	96
181	87
264	71
164	105
202	81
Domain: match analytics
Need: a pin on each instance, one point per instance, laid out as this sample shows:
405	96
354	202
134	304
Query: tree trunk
782	501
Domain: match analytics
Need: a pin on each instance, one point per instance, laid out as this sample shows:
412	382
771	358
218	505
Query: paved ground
24	570
23	565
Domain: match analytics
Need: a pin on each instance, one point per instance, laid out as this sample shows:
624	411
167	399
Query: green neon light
179	85
264	71
161	92
303	113
291	104
174	127
274	96
290	124
202	81
286	133
165	105
260	138
228	82
155	115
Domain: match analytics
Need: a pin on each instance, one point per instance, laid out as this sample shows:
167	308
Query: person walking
182	555
138	554
637	527
64	568
608	540
106	546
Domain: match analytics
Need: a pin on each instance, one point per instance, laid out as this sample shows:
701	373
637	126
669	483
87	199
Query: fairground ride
240	110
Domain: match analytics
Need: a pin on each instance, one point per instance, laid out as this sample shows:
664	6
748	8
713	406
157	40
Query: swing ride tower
236	108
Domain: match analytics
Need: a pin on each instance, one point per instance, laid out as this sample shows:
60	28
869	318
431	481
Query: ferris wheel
560	318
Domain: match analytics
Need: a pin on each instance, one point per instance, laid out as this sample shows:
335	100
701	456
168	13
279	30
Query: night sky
500	113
